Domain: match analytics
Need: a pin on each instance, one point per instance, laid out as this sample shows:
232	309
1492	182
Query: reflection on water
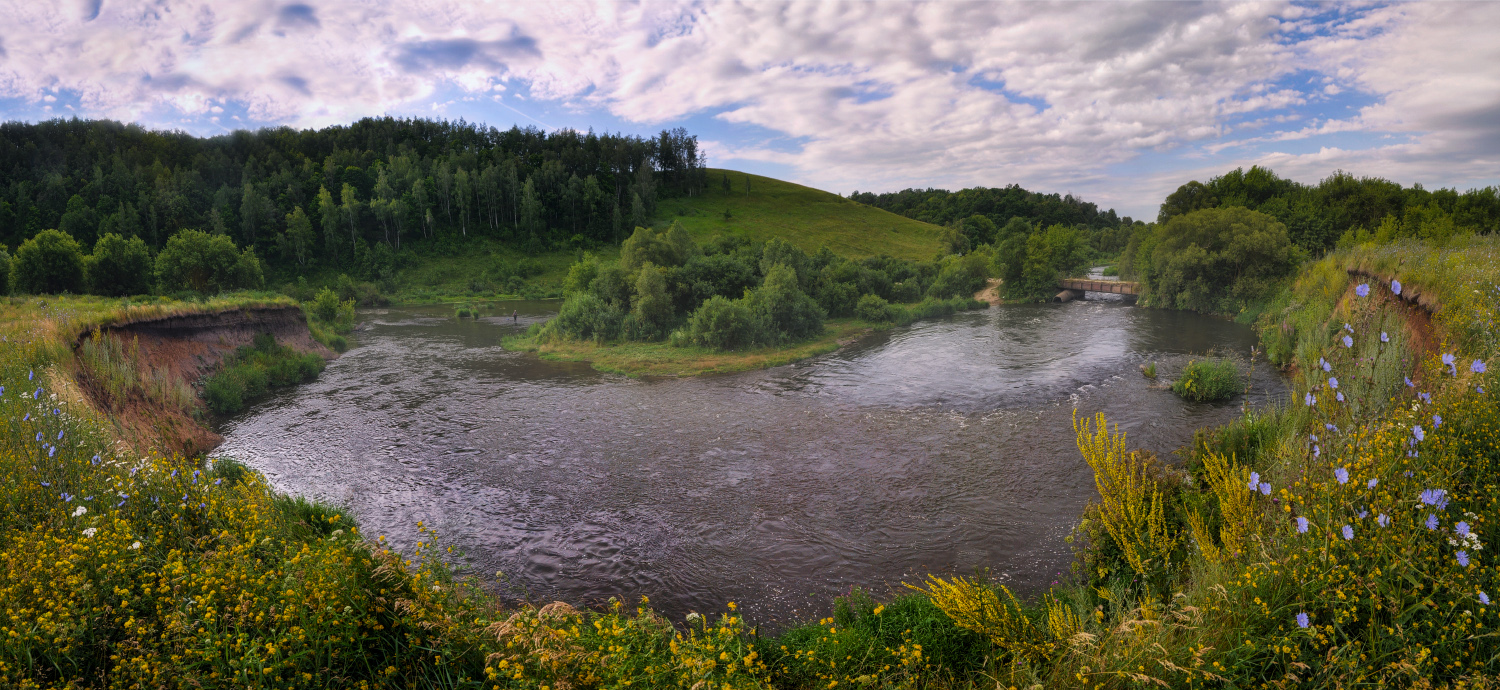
943	446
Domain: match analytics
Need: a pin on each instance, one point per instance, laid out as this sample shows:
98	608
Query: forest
346	197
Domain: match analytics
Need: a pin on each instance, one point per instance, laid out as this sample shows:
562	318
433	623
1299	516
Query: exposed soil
187	348
990	293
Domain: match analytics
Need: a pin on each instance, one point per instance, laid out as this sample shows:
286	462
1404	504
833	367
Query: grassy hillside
806	217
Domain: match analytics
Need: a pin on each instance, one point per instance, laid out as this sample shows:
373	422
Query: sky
1116	103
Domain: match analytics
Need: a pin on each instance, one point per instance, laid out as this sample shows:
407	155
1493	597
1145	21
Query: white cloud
867	95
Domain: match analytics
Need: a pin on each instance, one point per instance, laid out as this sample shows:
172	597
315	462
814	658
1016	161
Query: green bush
960	277
1208	381
206	264
723	324
873	308
120	266
1215	260
585	316
781	308
50	263
4	271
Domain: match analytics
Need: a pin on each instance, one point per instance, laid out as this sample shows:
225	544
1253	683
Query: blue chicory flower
1409	384
1324	363
1417	433
1348	342
1426	397
1383	520
1363	289
1484	598
1384	338
1316	450
1462	529
1265	489
1363	513
1342	475
1462	557
1348	532
1437	421
1333	382
1349	328
1437	498
1302	621
1373	483
1254	479
1339	396
1477	367
1432	521
1301	525
1309	399
1396	286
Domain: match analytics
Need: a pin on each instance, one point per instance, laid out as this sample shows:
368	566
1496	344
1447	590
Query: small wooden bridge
1074	288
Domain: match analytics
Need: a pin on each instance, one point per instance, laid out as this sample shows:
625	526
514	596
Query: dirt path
990	293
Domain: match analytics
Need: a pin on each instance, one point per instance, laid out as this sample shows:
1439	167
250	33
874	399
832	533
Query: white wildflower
90	531
81	510
135	546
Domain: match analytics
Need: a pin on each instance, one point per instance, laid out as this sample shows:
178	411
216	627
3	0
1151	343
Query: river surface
944	447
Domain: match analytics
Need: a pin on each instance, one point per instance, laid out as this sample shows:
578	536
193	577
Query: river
941	447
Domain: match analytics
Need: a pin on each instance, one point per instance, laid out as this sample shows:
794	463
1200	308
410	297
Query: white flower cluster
1470	541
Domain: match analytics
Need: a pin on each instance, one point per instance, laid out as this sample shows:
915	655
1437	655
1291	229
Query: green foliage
4	271
50	263
1343	208
960	277
256	369
1215	260
585	316
670	247
873	308
1031	264
1208	381
723	324
120	266
207	264
779	252
784	313
651	312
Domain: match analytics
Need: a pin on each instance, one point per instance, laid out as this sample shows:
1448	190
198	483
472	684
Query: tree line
329	197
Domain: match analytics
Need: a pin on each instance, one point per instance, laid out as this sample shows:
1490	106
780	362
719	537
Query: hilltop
806	217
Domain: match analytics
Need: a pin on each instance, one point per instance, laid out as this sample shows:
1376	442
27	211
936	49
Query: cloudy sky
1115	102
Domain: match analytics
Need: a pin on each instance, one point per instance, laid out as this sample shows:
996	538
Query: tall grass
1208	381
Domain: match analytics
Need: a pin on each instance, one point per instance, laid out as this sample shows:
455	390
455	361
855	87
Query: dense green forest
347	197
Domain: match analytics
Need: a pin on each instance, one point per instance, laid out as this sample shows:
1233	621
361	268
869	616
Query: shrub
906	291
207	264
723	324
50	263
838	299
1208	381
960	276
120	266
4	271
785	312
585	316
873	309
671	247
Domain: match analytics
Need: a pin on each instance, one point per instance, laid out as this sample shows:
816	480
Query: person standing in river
514	318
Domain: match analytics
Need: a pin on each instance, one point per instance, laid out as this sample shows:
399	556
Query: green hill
807	217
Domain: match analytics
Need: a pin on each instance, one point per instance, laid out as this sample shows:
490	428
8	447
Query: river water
941	447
